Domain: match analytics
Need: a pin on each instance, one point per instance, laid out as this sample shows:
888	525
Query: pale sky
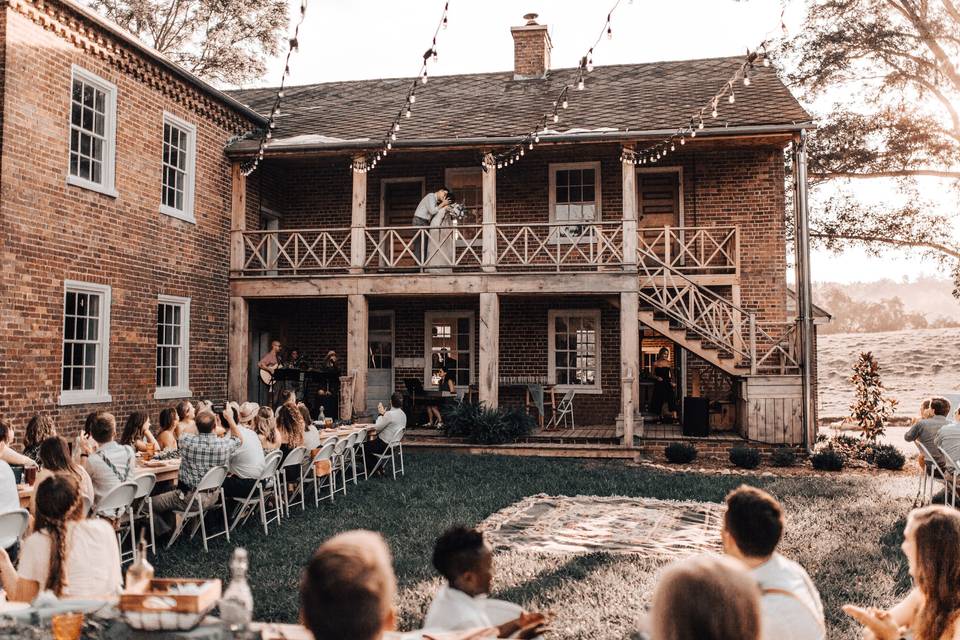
360	39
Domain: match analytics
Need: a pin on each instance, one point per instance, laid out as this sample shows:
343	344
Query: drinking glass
67	626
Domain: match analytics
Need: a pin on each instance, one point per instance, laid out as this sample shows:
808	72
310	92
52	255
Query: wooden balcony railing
458	248
295	252
559	246
694	250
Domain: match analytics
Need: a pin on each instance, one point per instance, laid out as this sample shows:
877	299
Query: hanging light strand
370	161
293	45
527	143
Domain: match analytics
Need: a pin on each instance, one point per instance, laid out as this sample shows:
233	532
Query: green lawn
846	532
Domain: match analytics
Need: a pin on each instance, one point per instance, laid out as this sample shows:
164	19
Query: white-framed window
178	165
467	185
574	349
575	192
93	129
448	342
173	347
86	343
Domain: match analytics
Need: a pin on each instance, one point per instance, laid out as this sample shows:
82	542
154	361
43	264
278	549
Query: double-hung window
574	349
93	114
178	168
575	192
173	347
86	343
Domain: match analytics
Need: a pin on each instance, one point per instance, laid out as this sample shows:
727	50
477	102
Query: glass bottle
140	572
236	605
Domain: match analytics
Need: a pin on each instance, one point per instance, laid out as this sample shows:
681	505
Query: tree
222	41
893	62
871	410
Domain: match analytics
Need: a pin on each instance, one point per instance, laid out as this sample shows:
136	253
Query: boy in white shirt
464	558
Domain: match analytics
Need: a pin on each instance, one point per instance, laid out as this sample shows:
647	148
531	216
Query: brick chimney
531	49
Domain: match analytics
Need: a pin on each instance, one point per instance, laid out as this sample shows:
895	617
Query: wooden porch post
489	255
357	323
489	383
358	220
629	211
238	347
629	360
238	216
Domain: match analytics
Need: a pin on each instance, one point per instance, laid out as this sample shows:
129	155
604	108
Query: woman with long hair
931	543
66	554
265	426
186	413
38	429
137	434
290	427
169	429
55	458
691	593
663	391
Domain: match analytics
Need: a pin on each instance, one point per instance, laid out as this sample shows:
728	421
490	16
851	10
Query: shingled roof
618	98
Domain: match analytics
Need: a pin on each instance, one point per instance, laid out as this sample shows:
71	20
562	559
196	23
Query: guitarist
268	364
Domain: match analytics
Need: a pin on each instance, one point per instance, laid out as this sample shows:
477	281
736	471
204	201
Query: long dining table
165	470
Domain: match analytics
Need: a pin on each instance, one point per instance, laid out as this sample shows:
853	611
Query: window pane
76	378
91	355
88	378
563	178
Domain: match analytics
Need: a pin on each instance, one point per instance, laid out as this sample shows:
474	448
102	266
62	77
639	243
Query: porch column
629	362
804	293
629	171
489	383
357	320
489	256
358	219
238	216
238	347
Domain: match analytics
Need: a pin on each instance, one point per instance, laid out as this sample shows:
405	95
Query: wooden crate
133	599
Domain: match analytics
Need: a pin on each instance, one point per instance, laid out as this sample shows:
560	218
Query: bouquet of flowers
457	212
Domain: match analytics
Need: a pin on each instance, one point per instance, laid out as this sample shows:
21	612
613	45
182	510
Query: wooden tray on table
136	598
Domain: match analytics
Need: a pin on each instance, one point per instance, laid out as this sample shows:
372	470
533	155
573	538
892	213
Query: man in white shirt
108	462
790	605
247	462
9	497
464	558
389	426
948	439
925	430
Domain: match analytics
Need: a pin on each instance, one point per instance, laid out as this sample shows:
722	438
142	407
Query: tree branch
917	244
901	173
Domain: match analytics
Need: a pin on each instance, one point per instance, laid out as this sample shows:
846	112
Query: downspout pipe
804	286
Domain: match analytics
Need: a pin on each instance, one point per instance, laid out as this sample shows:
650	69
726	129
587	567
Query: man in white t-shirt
108	462
389	426
790	605
247	462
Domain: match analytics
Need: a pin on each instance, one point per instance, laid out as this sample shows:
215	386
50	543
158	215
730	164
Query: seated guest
247	462
948	439
84	436
311	435
265	426
199	453
169	429
187	415
925	430
248	411
351	572
137	434
55	458
7	454
464	558
388	425
38	429
790	605
290	427
931	611
68	555
286	396
109	463
9	496
705	598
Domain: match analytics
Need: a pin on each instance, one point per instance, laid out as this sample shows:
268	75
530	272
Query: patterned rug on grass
584	524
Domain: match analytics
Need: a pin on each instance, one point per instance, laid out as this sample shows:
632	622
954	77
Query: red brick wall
51	231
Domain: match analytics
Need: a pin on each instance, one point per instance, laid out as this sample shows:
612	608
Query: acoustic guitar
266	375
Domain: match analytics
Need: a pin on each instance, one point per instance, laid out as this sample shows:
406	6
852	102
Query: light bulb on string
609	33
746	80
590	61
279	94
732	98
531	146
700	126
556	118
393	136
434	55
536	139
396	126
406	113
413	98
683	141
444	21
423	78
766	61
564	103
714	112
580	85
521	151
673	147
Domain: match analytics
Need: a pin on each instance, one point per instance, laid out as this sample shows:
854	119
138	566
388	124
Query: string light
293	45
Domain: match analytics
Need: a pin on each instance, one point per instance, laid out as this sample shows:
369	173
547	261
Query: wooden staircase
717	355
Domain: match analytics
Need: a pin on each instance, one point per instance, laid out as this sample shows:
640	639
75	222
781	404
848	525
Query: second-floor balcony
709	252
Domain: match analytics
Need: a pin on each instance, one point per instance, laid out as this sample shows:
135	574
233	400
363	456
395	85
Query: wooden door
658	206
399	200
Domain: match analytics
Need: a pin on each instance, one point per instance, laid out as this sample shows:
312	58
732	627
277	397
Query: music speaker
696	417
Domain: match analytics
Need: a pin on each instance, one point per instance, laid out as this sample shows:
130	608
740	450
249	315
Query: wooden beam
357	328
629	360
629	171
238	347
489	379
358	219
489	255
238	215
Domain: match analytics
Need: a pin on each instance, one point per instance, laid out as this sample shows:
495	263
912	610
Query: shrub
481	425
680	452
827	459
887	456
783	457
852	448
745	457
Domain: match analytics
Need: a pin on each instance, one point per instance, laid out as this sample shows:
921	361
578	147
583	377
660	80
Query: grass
845	531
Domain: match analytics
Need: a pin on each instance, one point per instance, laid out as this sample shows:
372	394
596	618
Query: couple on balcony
435	249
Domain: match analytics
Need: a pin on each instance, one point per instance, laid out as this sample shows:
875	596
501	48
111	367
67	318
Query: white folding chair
951	463
117	506
563	412
210	484
311	476
293	462
338	464
359	449
330	440
143	506
932	468
390	454
13	524
246	506
350	454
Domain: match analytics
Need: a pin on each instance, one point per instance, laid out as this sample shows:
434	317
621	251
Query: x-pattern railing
296	252
695	250
782	357
559	246
456	246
